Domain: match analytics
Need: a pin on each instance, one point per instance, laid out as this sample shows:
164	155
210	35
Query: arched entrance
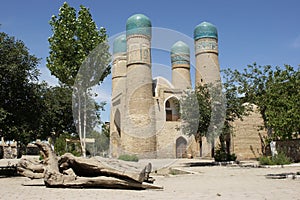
181	144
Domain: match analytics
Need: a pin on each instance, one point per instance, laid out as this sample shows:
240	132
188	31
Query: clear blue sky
262	31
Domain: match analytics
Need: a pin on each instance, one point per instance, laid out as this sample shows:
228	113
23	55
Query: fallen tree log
70	171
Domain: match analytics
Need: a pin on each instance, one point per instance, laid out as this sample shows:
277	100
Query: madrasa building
145	119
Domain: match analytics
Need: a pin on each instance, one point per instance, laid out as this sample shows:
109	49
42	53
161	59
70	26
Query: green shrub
222	156
265	160
127	157
279	159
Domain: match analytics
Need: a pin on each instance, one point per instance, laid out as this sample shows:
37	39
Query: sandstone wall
246	139
166	139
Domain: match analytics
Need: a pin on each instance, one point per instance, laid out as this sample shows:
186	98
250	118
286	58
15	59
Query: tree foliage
72	40
79	58
20	103
276	92
282	102
57	115
196	111
209	110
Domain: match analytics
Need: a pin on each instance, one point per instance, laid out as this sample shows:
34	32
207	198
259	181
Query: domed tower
118	94
206	52
140	135
119	65
180	59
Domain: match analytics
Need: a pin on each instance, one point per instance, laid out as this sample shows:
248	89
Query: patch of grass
279	159
127	157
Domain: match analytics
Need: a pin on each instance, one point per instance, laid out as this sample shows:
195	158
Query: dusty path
207	183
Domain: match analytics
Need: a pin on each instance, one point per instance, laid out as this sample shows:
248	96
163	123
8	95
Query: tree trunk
200	146
71	171
84	124
213	148
79	123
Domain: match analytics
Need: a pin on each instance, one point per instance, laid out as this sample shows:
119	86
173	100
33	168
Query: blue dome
180	48
205	30
119	45
180	54
138	24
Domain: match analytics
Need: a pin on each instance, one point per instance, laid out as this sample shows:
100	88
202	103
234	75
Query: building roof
180	53
119	45
138	24
180	48
205	30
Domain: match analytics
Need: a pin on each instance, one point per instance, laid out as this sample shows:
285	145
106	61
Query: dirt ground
205	182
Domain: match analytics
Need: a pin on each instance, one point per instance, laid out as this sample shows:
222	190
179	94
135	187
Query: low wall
291	148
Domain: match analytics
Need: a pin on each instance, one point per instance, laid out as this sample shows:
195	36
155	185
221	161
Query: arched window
167	104
172	108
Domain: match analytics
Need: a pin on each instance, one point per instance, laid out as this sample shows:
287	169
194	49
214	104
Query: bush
222	156
126	157
279	159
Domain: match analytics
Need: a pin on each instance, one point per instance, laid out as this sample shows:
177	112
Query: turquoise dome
119	45
180	54
205	30
180	48
138	24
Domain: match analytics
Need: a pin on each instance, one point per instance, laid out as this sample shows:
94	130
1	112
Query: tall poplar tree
78	57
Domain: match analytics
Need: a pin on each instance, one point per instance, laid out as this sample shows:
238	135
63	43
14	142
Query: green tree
276	92
72	41
209	111
203	113
78	58
101	145
20	103
57	115
195	113
282	103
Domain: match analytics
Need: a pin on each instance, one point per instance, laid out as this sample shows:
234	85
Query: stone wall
246	141
166	141
166	138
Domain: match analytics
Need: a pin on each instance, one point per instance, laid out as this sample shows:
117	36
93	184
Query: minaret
118	94
140	136
180	59
208	69
119	65
206	52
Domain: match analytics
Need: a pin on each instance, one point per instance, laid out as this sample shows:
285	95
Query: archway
172	107
181	145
